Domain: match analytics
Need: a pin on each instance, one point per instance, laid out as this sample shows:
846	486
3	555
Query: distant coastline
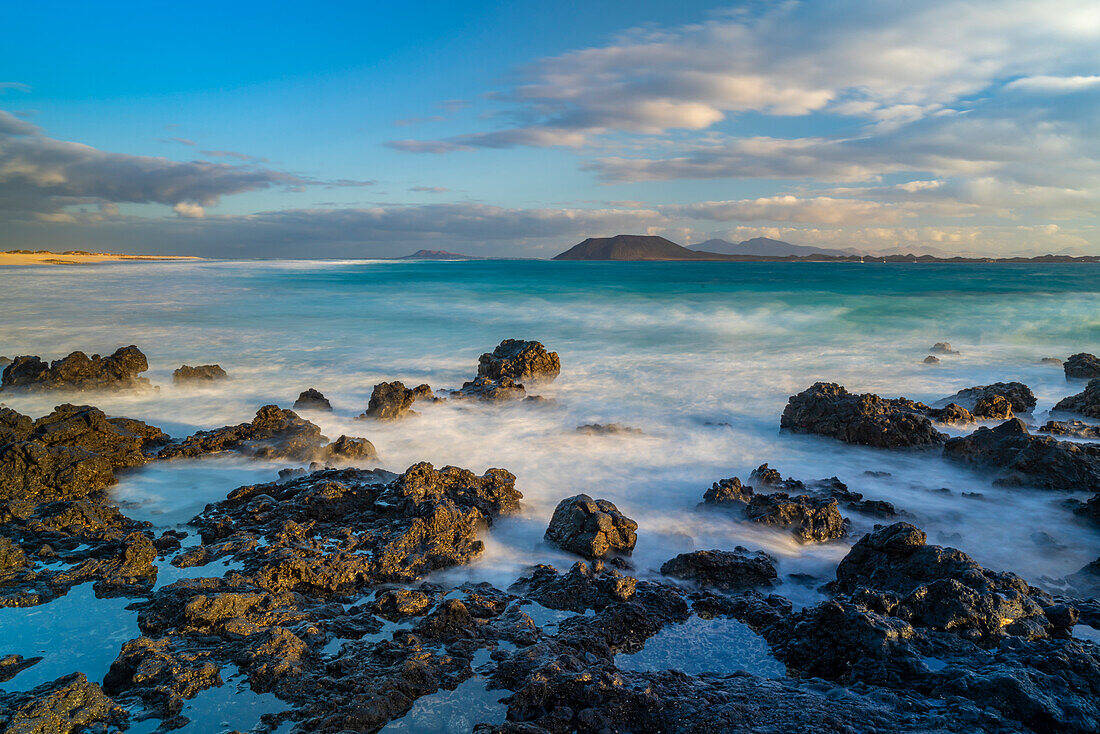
77	257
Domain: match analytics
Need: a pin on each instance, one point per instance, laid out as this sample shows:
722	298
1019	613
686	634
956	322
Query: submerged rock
591	528
942	348
1086	402
1025	459
1082	366
201	373
724	570
392	400
490	390
931	360
78	371
1072	429
607	429
1052	361
312	399
828	409
519	360
1018	395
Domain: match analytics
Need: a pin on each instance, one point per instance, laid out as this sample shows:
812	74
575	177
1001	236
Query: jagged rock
942	348
392	400
994	406
809	519
591	528
119	371
1025	459
519	360
275	433
201	373
1086	402
31	471
725	570
396	604
13	665
1017	394
1073	429
1082	366
828	409
490	390
312	399
68	704
125	442
951	414
584	586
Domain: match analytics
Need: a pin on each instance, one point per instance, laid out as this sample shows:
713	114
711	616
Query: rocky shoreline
330	606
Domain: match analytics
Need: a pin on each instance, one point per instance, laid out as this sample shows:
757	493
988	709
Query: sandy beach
45	257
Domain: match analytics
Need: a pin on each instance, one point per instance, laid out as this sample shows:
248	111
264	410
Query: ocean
699	357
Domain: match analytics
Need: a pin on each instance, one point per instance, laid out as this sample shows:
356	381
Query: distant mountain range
760	249
763	246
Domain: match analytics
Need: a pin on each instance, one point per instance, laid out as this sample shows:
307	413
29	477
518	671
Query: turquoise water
700	356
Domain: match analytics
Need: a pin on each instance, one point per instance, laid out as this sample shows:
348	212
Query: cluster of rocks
201	373
78	371
1086	402
1082	366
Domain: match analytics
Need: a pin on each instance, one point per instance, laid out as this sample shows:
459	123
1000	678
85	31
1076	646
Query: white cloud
189	210
1054	84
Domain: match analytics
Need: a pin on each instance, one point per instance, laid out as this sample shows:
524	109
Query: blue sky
278	129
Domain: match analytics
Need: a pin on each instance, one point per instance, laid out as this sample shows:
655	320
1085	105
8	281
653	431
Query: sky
520	128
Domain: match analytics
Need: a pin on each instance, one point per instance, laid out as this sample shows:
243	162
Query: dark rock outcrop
724	570
809	519
942	348
275	433
392	400
1042	461
519	360
78	371
312	399
591	528
1018	395
490	390
201	373
1086	402
67	705
1082	366
828	409
931	360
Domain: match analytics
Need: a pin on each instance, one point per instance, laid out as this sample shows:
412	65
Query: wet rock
1052	361
13	665
728	493
1071	429
37	473
942	348
828	409
168	675
336	531
1022	458
392	400
397	604
931	360
349	449
274	433
724	570
1086	402
124	442
519	360
201	373
591	528
1017	394
809	519
997	407
1082	366
68	704
312	399
490	390
14	426
585	586
78	371
951	414
607	429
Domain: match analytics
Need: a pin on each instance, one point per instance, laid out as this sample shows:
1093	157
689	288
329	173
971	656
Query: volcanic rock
1086	402
78	371
1025	459
942	348
724	570
312	399
591	528
519	360
392	400
1082	366
201	373
1017	394
828	409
